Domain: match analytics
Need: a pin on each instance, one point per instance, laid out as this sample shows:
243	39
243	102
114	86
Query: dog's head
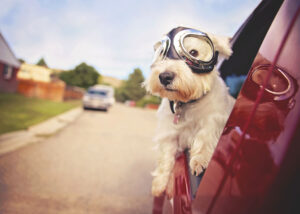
183	66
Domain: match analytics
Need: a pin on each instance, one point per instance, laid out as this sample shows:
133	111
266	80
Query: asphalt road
100	163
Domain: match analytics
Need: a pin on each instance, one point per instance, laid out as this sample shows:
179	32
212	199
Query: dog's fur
201	122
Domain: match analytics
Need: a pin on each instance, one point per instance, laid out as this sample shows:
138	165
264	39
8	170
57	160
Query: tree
21	60
82	75
42	62
131	89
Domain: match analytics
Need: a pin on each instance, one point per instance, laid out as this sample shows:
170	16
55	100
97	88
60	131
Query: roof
6	54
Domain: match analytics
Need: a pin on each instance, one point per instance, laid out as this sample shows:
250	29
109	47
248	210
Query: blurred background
59	56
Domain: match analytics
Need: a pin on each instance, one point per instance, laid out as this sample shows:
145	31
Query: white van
99	97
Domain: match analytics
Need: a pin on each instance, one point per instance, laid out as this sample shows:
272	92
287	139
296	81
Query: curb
12	141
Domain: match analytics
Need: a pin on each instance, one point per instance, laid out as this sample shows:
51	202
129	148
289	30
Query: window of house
8	72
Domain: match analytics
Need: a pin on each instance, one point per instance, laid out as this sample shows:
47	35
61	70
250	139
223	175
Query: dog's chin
168	89
171	94
167	92
178	95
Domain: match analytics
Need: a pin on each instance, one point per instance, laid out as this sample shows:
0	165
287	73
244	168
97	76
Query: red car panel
262	127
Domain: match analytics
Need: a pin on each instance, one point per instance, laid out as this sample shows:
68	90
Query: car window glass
102	93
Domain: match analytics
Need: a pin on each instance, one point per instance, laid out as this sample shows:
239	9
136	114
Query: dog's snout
166	77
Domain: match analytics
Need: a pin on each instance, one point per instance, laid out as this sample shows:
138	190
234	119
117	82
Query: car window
94	92
245	44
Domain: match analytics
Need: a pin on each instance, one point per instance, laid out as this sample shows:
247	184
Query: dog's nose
166	77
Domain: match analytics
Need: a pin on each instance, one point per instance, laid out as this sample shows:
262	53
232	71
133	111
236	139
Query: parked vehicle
255	167
98	97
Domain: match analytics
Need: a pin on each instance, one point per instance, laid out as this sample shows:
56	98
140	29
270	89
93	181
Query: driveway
100	163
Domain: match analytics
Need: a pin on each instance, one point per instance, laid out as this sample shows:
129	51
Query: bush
120	94
148	100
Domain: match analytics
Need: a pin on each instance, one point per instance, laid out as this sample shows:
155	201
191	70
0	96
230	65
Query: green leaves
42	62
82	76
131	88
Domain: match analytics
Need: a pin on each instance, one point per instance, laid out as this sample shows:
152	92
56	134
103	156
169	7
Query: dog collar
176	108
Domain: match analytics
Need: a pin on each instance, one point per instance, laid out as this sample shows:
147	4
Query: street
100	163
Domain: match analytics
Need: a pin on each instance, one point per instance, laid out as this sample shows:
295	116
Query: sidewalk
12	141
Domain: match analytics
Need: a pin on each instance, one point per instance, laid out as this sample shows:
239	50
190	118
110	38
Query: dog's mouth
170	89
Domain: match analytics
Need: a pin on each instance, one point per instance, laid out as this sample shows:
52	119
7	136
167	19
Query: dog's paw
159	185
198	164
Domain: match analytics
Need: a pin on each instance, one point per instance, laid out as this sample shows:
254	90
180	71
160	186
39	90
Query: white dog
196	102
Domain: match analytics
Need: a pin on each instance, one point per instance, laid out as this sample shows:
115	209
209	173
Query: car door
254	168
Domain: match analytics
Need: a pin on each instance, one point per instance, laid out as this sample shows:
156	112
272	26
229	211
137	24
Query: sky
114	36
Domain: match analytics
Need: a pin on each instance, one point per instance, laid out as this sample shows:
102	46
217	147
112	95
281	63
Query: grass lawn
19	112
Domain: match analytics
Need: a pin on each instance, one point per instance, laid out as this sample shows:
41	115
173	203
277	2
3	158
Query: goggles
192	46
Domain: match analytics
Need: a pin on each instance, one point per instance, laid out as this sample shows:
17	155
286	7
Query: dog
195	100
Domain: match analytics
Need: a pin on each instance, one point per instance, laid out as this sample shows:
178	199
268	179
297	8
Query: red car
255	167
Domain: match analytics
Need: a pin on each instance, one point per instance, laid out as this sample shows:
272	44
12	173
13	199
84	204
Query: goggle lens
197	48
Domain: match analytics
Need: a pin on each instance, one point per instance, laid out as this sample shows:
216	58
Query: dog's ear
221	44
156	45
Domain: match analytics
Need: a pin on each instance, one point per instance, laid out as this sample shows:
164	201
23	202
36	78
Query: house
37	81
35	73
42	82
9	66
